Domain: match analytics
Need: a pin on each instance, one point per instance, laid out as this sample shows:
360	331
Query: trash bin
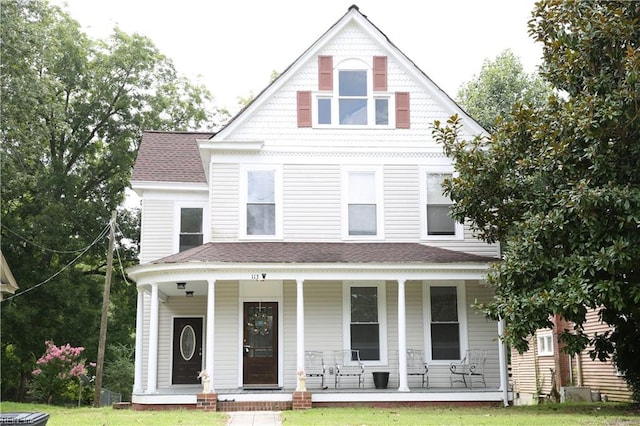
380	379
39	419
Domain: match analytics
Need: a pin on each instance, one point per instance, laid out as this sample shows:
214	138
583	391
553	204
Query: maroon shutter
304	109
402	110
380	73
325	72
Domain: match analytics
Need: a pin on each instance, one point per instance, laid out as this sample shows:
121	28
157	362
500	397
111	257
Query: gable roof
170	157
301	252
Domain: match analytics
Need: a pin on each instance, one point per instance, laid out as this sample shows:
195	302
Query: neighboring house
313	221
8	283
583	378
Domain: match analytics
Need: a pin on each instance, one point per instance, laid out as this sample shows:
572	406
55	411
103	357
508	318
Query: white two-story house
313	221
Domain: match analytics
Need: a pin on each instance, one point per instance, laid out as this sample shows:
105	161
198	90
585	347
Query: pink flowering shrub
58	372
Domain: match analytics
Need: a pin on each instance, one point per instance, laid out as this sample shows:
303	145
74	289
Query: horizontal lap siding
401	203
524	369
225	201
228	334
156	230
312	202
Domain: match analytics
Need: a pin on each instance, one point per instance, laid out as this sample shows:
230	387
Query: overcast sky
233	46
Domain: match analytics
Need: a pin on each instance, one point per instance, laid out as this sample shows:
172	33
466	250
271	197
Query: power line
45	248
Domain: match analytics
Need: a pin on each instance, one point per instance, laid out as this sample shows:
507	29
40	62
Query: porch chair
347	363
314	365
417	366
472	365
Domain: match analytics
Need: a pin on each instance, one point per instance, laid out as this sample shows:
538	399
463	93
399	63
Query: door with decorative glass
187	351
260	348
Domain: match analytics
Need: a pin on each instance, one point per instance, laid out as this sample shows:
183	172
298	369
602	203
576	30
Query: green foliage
119	370
501	84
72	113
558	185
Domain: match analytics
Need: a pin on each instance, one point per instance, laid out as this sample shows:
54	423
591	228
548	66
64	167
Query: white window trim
353	65
544	342
277	179
462	318
382	317
206	221
377	171
459	227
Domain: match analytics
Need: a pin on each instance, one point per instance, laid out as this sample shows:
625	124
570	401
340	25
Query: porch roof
316	252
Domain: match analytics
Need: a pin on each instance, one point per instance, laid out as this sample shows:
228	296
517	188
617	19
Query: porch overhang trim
168	186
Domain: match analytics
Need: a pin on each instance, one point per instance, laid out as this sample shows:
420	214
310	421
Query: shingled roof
300	252
170	157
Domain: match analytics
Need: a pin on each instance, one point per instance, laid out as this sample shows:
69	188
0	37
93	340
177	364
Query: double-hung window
190	228
544	342
446	321
260	205
362	204
365	315
436	207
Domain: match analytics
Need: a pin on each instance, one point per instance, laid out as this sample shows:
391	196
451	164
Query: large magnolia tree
559	185
72	113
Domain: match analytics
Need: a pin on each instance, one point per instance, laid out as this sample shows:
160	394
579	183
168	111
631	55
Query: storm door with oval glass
187	350
260	360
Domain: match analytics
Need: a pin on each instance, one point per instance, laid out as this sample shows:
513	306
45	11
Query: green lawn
611	414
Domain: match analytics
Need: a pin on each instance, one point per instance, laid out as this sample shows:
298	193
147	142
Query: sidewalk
254	418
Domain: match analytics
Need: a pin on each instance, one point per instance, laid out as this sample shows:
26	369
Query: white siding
401	203
224	201
157	229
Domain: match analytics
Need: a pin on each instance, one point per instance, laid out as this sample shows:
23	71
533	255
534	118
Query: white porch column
299	330
402	338
211	311
502	354
137	380
152	367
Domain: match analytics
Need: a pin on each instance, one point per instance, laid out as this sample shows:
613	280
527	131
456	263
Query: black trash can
380	379
38	419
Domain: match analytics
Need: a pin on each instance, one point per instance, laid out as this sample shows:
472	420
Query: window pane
382	111
366	338
445	341
324	111
438	220
353	111
362	219
261	219
364	304
362	188
191	220
434	188
188	241
444	304
260	187
352	83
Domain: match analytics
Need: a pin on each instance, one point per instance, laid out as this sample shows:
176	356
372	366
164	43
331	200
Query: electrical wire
45	248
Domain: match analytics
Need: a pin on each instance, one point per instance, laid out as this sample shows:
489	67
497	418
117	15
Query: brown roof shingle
300	252
170	157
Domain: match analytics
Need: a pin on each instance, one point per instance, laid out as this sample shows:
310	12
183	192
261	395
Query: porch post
152	367
502	354
299	333
211	310
402	339
137	380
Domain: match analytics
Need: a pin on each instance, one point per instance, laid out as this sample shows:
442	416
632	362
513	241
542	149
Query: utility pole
105	313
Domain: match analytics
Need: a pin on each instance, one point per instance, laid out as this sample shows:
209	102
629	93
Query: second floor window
190	228
261	202
439	221
362	206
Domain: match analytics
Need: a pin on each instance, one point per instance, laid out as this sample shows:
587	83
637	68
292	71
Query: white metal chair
347	363
417	366
472	365
314	365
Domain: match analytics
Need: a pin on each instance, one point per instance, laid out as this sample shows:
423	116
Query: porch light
189	293
181	286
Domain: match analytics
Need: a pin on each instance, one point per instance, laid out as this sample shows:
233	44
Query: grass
610	414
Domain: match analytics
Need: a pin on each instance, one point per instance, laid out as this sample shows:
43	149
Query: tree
558	185
501	84
72	113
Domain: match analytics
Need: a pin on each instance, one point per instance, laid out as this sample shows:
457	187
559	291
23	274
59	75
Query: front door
187	351
260	365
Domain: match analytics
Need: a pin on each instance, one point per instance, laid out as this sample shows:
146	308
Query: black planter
380	379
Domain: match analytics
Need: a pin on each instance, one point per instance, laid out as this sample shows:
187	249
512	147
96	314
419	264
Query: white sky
232	46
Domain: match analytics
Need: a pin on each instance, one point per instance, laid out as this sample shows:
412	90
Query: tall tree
72	113
558	185
501	84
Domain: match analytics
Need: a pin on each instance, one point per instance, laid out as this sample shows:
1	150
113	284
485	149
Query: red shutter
380	73
325	72
402	110
304	109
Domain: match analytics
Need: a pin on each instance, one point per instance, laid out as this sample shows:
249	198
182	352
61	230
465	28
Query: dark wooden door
187	350
260	351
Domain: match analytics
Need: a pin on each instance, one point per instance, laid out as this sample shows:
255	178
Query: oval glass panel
187	343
